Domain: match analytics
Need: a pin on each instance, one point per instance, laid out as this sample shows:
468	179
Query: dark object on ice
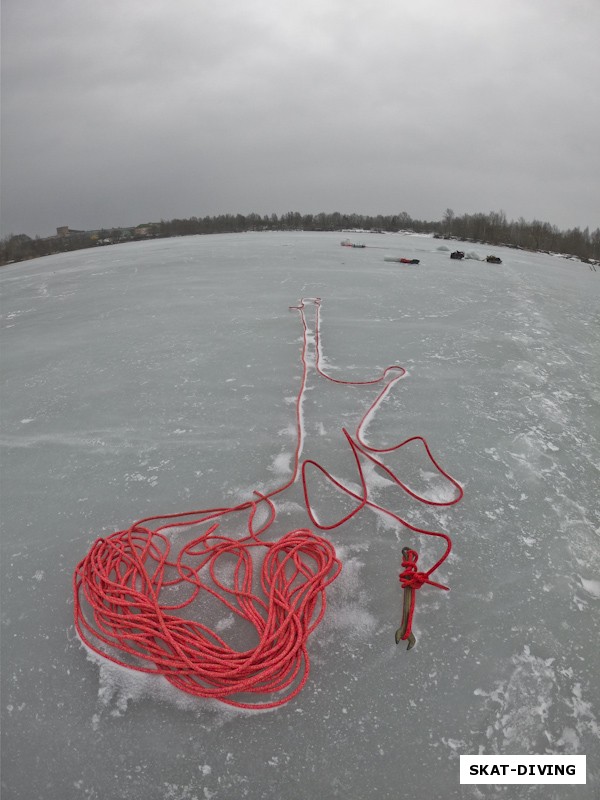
406	601
457	254
493	260
402	260
348	243
406	604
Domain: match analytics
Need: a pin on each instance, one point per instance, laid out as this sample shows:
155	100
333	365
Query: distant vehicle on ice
401	260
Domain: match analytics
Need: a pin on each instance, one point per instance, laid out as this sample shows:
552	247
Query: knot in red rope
413	579
410	577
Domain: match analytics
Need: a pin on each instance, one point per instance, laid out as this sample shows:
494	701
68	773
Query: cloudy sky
127	111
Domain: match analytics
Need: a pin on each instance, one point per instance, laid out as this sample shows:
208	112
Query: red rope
360	446
121	586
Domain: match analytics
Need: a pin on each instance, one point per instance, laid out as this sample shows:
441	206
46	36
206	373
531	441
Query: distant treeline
492	229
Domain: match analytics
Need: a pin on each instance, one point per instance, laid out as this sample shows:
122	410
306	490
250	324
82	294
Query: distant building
146	229
64	231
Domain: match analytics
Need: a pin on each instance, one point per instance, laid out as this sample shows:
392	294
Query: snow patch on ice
225	623
387	523
281	464
289	430
347	601
529	706
375	477
354	620
457	746
289	507
118	686
591	587
172	791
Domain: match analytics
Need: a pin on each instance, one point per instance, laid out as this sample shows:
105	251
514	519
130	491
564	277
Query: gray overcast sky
127	111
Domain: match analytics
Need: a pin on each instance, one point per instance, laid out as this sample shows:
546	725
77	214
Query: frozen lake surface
159	377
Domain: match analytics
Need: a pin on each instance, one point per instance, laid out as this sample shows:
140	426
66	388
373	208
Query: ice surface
156	377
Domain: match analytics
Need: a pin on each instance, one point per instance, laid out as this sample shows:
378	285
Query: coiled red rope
121	587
